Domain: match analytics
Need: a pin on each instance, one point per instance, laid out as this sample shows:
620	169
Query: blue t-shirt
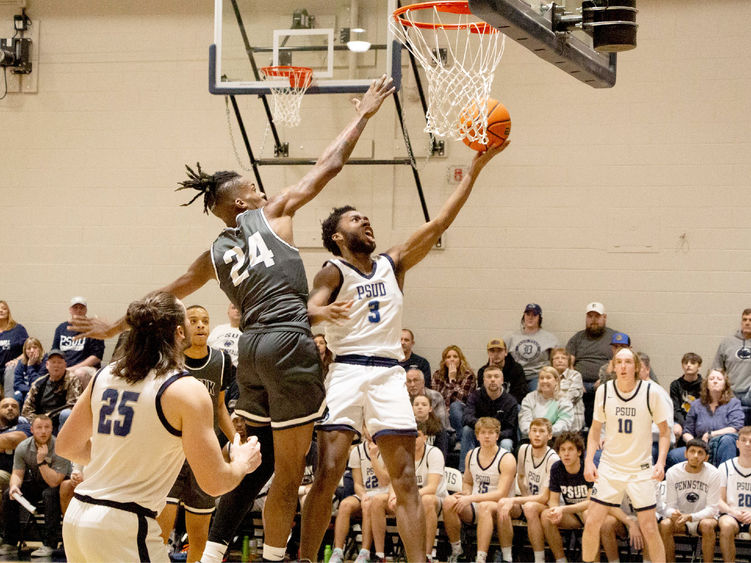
76	351
573	487
11	344
6	456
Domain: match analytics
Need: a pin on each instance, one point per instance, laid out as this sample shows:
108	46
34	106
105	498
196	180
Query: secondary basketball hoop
462	78
287	94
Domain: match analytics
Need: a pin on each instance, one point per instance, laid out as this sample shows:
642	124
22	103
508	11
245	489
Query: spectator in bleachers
569	493
735	484
32	366
590	349
12	337
489	400
692	496
715	417
530	346
454	380
513	374
84	355
488	477
53	394
370	478
326	355
572	387
412	359
734	358
547	402
225	336
429	464
684	391
37	474
12	432
533	465
607	371
416	386
436	434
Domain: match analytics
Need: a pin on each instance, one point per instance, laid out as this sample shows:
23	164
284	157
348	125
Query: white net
287	85
459	54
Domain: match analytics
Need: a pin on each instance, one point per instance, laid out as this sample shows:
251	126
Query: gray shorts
189	494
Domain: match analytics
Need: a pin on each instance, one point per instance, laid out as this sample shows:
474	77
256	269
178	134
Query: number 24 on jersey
257	252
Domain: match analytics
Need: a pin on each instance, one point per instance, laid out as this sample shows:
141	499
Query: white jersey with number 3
628	424
374	325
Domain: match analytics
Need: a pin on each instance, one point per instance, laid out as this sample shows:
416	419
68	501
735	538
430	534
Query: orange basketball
499	125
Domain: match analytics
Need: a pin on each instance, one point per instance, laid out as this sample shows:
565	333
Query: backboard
347	43
530	23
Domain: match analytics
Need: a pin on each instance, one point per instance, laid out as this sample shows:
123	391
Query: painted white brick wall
659	163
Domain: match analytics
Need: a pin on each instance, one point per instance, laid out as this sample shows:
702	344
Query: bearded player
359	297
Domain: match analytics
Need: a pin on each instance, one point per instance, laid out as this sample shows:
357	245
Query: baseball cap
496	343
78	300
621	338
534	308
596	307
55	352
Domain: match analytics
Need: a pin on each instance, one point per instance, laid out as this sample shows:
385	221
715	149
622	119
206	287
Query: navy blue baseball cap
533	308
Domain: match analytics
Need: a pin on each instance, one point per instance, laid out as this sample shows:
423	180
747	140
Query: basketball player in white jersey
359	297
692	495
488	476
626	406
132	428
735	495
533	465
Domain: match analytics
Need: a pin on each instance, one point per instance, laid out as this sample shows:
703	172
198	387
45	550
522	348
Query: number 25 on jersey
257	252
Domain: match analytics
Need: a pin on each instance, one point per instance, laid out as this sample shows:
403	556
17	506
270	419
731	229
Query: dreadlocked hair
208	185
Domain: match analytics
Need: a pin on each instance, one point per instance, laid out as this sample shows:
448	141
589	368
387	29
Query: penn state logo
744	353
692	497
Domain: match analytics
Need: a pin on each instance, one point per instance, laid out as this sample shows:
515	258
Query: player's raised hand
247	454
379	90
482	158
336	312
91	327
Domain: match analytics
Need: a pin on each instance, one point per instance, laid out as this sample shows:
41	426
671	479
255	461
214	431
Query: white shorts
612	484
92	532
372	397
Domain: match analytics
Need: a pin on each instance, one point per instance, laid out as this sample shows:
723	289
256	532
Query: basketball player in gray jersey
365	385
278	373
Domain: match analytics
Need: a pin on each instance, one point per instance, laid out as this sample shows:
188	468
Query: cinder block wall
634	196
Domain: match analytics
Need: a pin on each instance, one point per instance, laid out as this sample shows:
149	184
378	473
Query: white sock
338	550
540	556
213	552
615	561
456	548
481	556
380	555
506	552
273	553
364	551
561	560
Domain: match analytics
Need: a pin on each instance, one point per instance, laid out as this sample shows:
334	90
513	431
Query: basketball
499	125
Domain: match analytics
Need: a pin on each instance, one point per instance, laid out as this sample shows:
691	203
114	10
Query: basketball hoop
287	95
460	81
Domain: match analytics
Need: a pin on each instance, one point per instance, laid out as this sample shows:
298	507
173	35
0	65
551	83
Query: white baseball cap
596	307
78	301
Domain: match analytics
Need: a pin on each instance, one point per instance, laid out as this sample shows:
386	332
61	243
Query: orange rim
299	76
460	7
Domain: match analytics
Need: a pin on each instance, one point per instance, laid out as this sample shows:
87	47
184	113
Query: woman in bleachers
323	352
12	337
454	380
715	417
32	366
436	434
547	402
571	383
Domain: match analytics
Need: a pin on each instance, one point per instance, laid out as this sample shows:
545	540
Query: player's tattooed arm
419	244
196	276
335	156
319	307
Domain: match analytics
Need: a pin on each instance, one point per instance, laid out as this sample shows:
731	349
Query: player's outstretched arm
74	441
198	273
336	154
319	308
188	408
419	244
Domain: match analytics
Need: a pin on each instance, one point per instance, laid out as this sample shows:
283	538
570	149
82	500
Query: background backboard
321	34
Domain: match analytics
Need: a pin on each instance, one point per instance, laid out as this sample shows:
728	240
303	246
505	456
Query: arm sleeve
690	425
671	499
576	391
719	358
442	442
571	345
554	484
676	397
565	417
736	417
19	383
56	338
510	420
18	461
713	499
525	414
94	347
470	417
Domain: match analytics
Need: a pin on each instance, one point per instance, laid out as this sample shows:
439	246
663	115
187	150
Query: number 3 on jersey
258	252
110	398
375	315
